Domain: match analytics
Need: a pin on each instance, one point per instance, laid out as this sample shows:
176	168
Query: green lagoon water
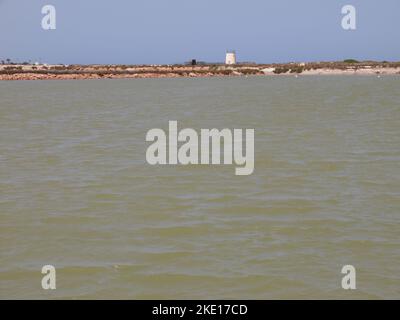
76	191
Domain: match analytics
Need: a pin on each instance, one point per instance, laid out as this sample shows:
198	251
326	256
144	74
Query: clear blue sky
174	31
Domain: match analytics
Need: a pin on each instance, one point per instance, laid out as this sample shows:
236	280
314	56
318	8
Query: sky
175	31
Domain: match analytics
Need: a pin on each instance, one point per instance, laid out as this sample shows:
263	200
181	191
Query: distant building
230	57
195	62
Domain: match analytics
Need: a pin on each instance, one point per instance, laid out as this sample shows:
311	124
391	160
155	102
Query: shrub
280	70
350	61
297	70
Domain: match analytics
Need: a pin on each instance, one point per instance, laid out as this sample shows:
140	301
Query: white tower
230	57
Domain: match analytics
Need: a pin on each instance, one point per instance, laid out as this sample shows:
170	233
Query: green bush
280	70
297	70
350	61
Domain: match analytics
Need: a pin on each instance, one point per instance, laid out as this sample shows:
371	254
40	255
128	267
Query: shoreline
15	72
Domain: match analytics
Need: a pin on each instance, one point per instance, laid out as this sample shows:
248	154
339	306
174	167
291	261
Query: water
76	192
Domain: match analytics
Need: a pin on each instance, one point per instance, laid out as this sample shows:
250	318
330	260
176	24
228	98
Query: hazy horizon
156	32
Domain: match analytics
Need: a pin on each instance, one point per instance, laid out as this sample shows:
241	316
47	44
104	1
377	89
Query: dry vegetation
22	71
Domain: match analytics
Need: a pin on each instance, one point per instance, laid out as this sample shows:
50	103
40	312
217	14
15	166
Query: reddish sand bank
64	72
